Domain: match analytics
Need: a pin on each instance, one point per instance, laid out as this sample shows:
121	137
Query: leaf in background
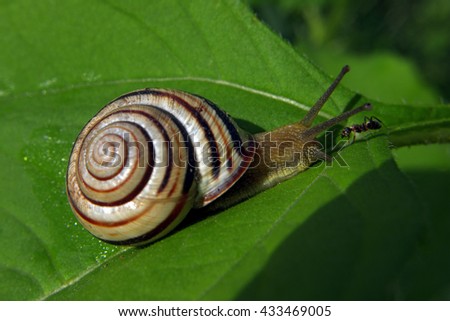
60	62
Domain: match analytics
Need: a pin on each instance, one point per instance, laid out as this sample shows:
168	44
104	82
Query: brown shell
147	158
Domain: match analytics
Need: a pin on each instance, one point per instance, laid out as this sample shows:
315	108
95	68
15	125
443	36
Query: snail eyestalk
314	131
312	114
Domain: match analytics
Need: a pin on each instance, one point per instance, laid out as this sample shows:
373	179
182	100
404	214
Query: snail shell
147	158
151	155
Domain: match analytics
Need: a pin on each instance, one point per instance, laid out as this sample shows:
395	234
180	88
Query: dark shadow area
353	248
427	275
248	126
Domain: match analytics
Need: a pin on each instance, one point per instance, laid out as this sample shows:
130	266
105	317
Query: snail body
151	155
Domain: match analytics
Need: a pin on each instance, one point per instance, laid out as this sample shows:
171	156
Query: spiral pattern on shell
147	158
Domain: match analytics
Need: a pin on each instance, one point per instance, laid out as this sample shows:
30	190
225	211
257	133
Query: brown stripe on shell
138	188
110	176
158	229
105	178
215	190
211	196
163	131
203	124
108	224
231	129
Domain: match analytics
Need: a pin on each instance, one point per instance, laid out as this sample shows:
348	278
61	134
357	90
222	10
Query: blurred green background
399	49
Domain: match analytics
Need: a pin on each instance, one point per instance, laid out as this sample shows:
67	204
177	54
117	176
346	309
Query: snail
148	157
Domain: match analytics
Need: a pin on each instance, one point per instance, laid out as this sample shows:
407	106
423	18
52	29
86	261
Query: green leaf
333	232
